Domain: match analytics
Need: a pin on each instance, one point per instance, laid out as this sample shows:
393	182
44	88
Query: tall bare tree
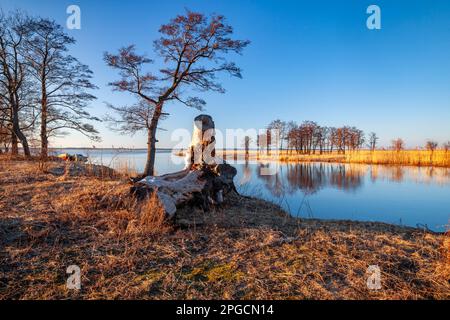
332	132
373	140
431	145
446	146
247	141
193	48
280	127
398	144
64	83
12	75
290	128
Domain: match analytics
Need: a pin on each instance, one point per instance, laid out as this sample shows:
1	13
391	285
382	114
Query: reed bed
437	158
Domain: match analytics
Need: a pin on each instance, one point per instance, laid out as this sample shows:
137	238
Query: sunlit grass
248	249
438	158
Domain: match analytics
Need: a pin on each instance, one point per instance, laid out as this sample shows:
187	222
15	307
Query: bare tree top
193	48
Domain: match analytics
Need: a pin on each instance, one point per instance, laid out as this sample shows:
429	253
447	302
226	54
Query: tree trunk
18	133
24	142
151	142
44	138
44	141
14	144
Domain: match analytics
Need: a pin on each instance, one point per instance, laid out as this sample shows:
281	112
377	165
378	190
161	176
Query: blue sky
308	60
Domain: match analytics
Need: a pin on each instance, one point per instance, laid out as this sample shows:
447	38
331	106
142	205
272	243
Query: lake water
409	196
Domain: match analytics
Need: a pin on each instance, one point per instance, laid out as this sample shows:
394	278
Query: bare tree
12	75
332	138
355	139
192	47
64	83
340	139
258	144
398	144
446	146
290	128
247	141
263	141
320	138
310	137
280	127
431	145
268	137
373	140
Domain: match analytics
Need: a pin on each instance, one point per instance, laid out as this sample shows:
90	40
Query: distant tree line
312	138
43	89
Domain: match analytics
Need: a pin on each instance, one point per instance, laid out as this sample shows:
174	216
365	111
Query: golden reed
437	158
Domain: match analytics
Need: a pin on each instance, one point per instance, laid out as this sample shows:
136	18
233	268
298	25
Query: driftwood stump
204	182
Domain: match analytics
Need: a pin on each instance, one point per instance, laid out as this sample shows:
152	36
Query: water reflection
312	177
392	194
405	195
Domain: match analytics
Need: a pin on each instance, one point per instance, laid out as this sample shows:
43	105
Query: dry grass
247	249
437	158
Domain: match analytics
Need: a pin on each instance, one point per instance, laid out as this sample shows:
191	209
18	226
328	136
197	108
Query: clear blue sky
309	60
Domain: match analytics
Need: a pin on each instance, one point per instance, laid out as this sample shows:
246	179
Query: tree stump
204	182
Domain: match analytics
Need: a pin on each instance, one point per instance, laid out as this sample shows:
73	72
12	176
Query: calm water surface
402	195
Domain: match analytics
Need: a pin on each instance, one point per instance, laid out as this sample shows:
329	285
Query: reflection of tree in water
306	177
311	177
346	177
273	182
416	174
397	174
246	174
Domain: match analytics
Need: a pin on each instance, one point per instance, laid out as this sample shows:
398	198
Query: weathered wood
202	149
204	181
173	193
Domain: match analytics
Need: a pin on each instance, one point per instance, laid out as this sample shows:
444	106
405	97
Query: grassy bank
438	158
55	216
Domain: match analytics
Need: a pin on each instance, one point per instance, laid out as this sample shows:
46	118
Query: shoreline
247	249
410	158
416	158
